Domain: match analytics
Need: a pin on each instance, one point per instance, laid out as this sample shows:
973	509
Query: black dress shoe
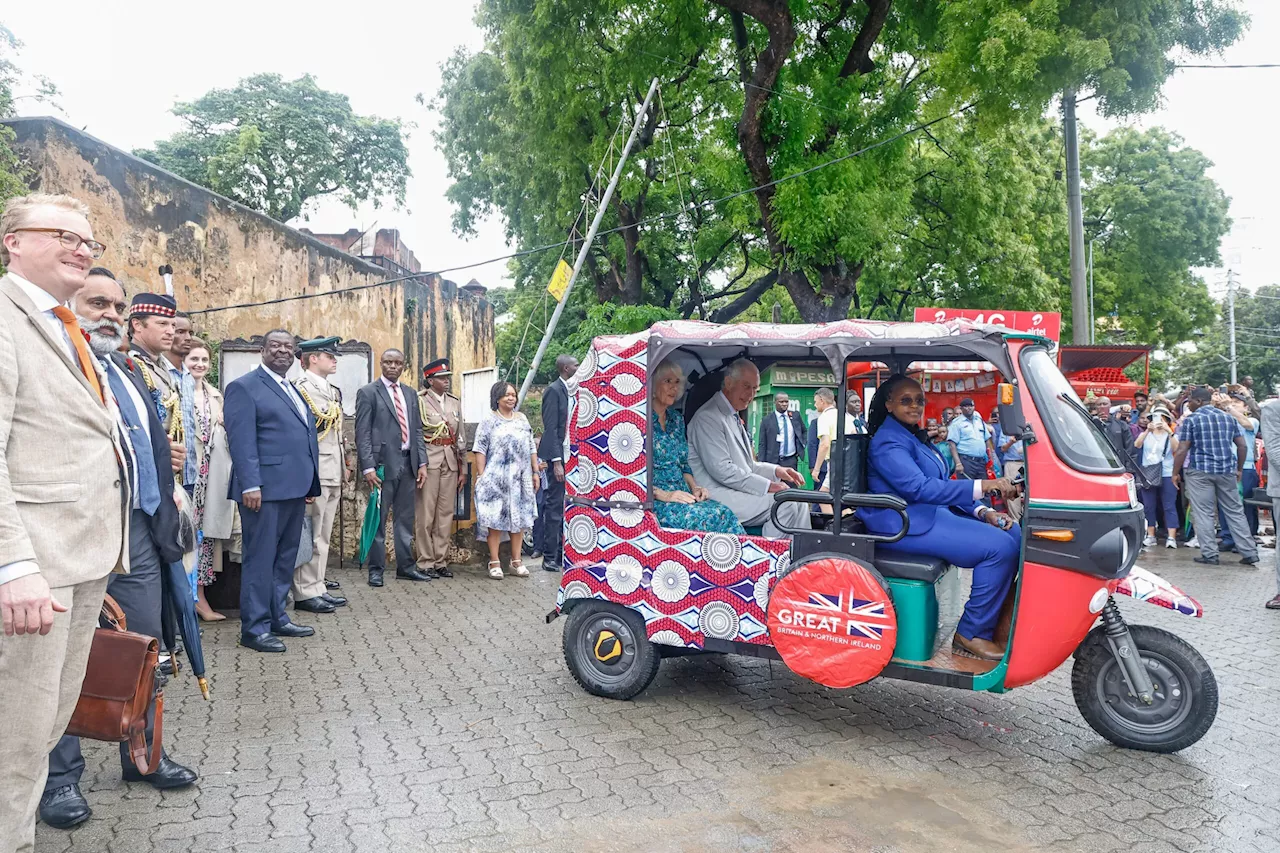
332	585
1207	561
1249	561
291	630
411	575
335	600
551	566
375	577
65	807
261	642
314	605
169	774
432	574
444	572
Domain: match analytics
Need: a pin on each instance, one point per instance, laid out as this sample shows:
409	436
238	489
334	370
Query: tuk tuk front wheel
1185	700
608	651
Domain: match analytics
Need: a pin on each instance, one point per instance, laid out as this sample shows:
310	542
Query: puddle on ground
816	807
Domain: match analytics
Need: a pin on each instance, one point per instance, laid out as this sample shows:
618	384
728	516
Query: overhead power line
1240	65
643	222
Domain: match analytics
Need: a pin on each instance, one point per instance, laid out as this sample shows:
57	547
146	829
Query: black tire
1186	692
608	651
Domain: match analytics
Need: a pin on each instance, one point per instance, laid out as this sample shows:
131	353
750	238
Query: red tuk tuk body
636	592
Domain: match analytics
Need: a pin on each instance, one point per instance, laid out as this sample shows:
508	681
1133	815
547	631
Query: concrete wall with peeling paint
224	254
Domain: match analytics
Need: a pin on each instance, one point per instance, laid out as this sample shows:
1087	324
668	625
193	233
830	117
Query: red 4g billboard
1045	323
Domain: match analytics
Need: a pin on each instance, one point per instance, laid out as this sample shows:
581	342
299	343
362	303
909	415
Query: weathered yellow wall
225	254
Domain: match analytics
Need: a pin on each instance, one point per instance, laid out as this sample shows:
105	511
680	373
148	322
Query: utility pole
1093	323
1081	333
1231	319
586	244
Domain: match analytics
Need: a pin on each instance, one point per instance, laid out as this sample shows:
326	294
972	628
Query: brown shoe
1274	604
981	649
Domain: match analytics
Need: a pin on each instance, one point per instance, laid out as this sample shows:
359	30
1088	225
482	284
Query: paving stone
409	723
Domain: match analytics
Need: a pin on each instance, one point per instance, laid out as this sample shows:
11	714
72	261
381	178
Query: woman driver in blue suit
947	518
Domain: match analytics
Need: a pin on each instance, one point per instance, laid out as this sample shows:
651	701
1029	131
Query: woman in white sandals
506	460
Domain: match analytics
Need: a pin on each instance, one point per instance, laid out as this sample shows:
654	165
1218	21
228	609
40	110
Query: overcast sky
119	75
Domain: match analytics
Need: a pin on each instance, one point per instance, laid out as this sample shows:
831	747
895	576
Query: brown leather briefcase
119	684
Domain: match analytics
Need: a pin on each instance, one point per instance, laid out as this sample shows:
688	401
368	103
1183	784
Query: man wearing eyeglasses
61	486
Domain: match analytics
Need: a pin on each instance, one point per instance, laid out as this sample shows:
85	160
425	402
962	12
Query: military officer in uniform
441	429
151	331
319	358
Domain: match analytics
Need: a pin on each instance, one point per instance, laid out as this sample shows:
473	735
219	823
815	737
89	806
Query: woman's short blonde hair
19	212
670	366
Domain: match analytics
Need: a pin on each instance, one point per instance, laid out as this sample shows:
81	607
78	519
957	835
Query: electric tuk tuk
822	600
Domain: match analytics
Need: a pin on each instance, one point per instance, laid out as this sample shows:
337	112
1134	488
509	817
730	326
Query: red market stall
1099	370
945	383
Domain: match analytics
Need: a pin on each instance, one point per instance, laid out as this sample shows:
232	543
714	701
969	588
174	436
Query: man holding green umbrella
153	534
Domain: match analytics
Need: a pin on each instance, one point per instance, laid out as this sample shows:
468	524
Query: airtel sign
1044	323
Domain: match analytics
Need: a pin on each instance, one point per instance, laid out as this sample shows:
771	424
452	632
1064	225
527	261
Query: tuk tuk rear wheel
608	651
1186	693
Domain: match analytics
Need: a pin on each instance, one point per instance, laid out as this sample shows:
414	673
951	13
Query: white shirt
139	406
393	388
289	390
786	434
44	303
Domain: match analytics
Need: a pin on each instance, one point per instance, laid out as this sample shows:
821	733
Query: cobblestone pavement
441	717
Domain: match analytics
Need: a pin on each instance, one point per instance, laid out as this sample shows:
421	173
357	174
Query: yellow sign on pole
560	280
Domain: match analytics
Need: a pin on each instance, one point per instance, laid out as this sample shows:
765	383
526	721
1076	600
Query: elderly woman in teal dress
679	502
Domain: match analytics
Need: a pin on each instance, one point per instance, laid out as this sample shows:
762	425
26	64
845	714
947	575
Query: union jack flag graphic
867	619
826	602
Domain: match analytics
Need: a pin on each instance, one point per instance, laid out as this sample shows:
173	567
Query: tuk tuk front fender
1153	589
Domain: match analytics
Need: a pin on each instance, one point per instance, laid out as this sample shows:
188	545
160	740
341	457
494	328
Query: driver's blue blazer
900	464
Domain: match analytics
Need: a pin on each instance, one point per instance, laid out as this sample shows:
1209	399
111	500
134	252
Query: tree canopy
1257	344
12	171
758	97
276	145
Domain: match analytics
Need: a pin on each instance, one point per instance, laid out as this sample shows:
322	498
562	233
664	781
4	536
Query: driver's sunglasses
908	400
70	240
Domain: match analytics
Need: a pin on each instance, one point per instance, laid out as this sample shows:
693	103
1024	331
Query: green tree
276	145
1154	214
1257	344
756	92
13	173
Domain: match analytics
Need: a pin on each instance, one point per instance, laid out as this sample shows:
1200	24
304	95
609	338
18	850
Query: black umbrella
178	605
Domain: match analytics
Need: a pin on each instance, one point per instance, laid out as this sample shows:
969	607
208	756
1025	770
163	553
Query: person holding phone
1157	446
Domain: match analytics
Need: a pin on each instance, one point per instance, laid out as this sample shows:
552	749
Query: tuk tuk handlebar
849	499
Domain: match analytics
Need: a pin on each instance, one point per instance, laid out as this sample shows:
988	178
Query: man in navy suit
275	468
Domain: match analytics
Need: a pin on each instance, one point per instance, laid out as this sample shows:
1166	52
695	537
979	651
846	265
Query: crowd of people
1197	459
112	434
107	395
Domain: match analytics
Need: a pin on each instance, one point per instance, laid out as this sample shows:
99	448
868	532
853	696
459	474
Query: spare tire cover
833	622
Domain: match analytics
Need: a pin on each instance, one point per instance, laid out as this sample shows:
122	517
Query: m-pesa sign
1045	323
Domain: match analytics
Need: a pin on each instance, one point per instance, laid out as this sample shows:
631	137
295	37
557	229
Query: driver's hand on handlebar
789	475
1002	485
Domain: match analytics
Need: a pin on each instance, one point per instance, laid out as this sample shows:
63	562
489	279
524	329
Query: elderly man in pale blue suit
720	457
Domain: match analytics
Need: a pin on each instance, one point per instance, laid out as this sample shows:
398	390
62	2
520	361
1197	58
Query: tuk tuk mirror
1012	420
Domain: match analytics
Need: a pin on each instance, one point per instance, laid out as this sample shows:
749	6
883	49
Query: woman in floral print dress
679	502
507	479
